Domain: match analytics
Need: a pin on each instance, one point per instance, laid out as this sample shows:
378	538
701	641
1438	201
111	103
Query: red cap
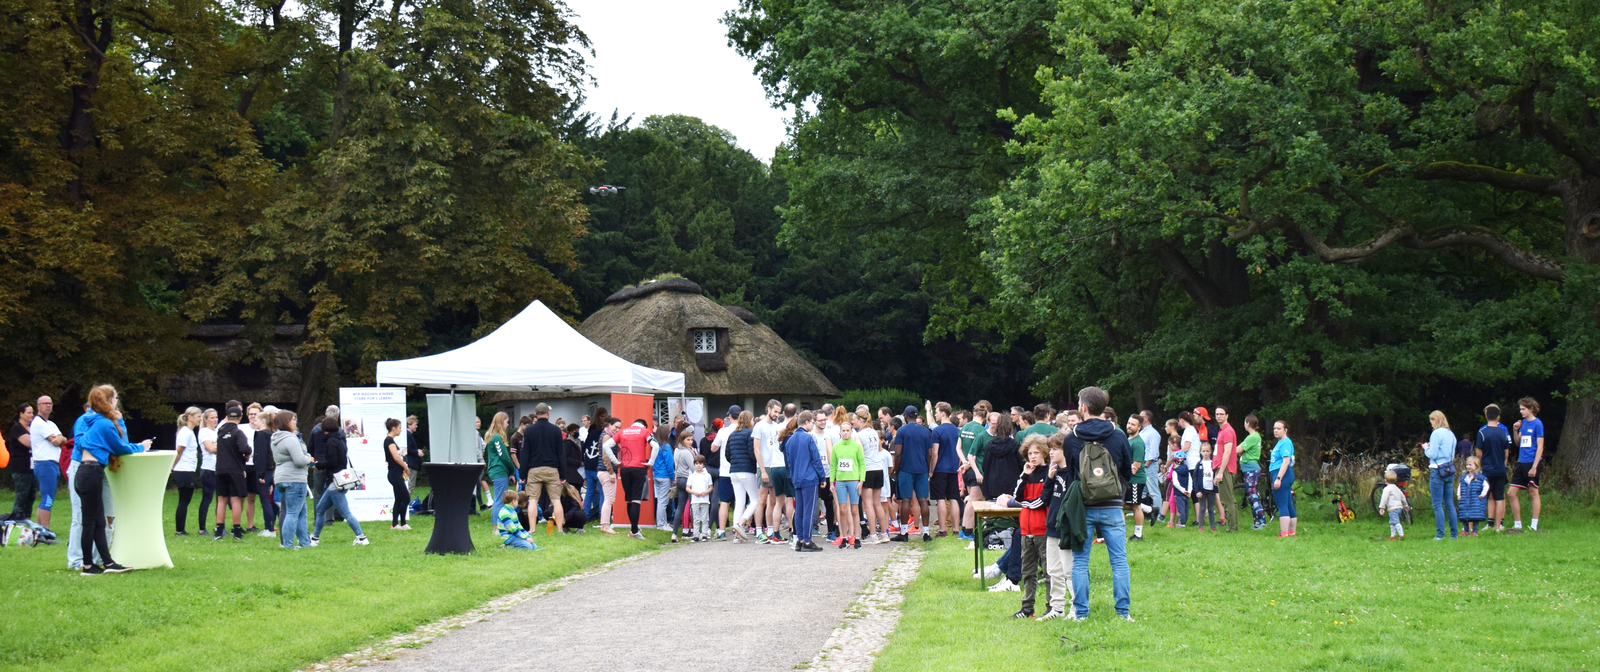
1202	412
716	422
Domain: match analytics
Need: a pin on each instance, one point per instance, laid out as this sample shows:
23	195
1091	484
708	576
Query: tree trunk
1577	458
312	367
78	132
341	94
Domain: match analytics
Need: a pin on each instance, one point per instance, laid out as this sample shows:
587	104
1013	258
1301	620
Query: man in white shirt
1152	451
45	441
719	446
769	461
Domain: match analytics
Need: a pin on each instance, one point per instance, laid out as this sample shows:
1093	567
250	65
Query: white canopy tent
534	351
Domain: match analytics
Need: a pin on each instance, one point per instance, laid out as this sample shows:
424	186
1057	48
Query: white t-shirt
40	431
1208	479
190	445
208	459
1190	443
721	442
767	433
700	480
870	447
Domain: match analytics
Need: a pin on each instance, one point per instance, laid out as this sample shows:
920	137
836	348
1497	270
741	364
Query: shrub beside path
708	606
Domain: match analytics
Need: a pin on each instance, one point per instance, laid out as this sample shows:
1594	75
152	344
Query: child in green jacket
847	468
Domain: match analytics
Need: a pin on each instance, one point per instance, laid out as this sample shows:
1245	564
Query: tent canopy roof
535	351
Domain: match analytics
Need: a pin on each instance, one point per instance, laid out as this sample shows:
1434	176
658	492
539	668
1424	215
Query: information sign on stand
363	412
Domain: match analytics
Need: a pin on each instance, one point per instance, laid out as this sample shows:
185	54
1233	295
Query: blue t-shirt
1494	442
948	437
1284	448
914	441
1528	443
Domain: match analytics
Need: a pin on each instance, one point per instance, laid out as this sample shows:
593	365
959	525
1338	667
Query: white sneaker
314	542
970	545
266	533
1050	616
990	572
361	541
1127	617
1005	586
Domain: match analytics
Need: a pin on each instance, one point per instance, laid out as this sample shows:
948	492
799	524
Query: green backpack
1098	474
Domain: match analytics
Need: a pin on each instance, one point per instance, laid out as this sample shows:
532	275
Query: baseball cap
734	411
1202	412
910	411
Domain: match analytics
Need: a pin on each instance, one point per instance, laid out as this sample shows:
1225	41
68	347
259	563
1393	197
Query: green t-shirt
1250	449
1042	428
848	463
974	438
1136	447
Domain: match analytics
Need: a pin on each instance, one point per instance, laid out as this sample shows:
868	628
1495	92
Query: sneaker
855	543
674	537
314	542
927	537
217	536
722	535
238	533
180	533
964	535
1136	537
1100	540
989	572
1004	586
114	568
266	533
1073	617
1127	617
942	534
361	541
808	547
253	529
636	535
1022	613
900	537
91	570
761	537
1439	538
1050	615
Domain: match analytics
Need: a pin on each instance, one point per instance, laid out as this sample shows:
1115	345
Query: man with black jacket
262	484
233	447
542	455
1104	519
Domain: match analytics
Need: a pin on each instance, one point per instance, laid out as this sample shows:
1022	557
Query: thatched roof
652	325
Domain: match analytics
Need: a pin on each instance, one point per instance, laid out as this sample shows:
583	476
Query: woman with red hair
105	437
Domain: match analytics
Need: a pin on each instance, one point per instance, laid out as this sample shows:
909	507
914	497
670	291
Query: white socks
1516	524
1138	530
1535	523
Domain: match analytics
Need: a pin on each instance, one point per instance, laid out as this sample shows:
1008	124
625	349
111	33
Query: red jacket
1030	496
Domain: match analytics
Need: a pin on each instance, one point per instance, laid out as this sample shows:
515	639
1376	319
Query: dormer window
705	341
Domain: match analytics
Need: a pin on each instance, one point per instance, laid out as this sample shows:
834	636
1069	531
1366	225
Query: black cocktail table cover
452	503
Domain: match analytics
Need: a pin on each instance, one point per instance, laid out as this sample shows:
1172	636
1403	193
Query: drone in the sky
606	190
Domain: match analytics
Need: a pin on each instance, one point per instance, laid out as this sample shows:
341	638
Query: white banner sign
363	412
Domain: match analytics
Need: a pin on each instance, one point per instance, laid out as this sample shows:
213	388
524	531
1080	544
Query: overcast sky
672	57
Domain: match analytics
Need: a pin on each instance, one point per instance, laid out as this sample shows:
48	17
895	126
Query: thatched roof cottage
726	354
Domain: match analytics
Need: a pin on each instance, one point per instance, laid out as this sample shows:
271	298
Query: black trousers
26	486
402	498
269	508
825	491
208	489
184	480
90	485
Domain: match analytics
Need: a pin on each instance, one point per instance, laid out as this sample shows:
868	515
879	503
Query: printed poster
363	412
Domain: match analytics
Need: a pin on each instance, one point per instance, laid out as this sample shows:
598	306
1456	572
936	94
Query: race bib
1527	441
847	464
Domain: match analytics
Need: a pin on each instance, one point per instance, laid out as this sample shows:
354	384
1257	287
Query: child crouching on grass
1473	496
1393	502
512	534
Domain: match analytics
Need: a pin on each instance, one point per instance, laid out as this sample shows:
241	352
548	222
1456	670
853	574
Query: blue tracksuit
806	472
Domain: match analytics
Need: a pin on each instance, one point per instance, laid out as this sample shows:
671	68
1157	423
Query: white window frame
705	341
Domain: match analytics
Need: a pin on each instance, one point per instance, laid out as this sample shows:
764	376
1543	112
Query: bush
896	400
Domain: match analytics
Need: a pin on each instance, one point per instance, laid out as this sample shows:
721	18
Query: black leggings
269	508
90	484
185	482
208	488
826	494
402	498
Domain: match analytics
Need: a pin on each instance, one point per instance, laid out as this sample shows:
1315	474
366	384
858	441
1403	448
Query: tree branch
1501	179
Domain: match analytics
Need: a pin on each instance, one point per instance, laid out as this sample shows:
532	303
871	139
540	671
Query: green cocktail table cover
138	488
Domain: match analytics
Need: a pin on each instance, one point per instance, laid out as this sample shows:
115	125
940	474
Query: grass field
1335	598
249	605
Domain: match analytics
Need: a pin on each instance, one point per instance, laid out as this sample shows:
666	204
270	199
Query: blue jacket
1470	508
100	439
805	462
740	452
663	467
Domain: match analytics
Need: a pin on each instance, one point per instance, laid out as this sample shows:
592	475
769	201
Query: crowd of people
783	477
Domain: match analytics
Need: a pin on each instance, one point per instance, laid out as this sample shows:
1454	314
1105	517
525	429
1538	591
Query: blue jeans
500	485
522	544
48	476
1440	489
1105	523
1284	495
1010	562
333	498
294	525
592	497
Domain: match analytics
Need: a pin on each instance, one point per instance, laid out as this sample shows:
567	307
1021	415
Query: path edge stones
872	618
428	632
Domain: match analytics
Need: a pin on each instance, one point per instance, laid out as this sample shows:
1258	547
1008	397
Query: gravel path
708	606
855	644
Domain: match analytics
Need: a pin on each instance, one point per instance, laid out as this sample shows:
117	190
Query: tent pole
451	441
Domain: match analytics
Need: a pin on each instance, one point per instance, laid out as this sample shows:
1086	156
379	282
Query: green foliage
888	397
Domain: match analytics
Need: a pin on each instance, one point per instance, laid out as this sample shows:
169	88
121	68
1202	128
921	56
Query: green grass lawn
1335	598
249	605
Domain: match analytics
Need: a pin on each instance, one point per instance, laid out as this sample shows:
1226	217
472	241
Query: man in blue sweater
807	472
1104	519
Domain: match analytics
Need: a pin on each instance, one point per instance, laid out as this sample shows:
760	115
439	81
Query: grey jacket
291	456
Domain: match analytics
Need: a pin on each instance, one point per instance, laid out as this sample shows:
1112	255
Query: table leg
981	525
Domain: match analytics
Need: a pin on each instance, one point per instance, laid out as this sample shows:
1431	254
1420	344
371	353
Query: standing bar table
452	502
138	487
986	516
